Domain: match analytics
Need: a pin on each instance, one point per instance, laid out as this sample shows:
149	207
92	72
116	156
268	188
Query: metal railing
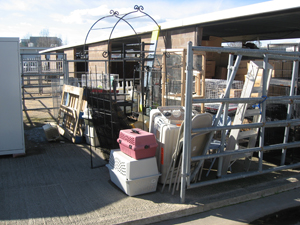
187	175
42	77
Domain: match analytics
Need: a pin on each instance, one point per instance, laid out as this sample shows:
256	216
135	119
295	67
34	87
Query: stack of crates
134	168
214	88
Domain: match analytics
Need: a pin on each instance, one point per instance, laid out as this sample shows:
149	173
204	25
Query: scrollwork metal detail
139	8
114	13
167	54
105	54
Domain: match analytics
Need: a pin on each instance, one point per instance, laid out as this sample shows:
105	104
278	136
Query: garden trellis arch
108	54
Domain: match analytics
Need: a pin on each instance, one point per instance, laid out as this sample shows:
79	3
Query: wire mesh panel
56	85
107	116
156	88
215	88
173	79
42	79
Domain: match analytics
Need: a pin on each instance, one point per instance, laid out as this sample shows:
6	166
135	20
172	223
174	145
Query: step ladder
252	88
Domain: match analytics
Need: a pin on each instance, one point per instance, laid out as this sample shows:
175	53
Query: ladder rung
252	112
241	155
247	134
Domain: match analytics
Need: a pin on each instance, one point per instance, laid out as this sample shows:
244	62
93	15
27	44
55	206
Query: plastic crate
134	187
137	143
132	168
133	176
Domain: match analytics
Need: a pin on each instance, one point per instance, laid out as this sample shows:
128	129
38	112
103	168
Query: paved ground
54	184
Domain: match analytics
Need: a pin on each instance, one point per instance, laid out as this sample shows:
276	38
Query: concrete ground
54	184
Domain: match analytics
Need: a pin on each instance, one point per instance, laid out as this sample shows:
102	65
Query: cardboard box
242	71
213	41
210	69
240	77
221	73
244	64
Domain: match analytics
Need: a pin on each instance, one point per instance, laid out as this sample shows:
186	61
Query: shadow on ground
54	183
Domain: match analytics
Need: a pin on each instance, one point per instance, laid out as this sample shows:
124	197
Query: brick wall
70	55
96	53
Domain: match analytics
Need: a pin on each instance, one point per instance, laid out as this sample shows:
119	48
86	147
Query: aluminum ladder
253	87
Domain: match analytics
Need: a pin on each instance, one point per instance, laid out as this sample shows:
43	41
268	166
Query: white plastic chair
198	143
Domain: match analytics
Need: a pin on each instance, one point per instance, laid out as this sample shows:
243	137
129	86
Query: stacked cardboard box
221	73
242	70
210	69
281	69
212	58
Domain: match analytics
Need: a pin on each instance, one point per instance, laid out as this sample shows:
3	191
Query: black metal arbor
107	116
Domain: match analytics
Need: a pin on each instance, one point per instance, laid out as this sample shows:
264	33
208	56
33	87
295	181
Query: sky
71	20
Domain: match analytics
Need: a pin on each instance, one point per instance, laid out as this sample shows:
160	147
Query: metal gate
42	77
188	177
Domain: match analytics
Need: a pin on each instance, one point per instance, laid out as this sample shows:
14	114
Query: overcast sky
71	19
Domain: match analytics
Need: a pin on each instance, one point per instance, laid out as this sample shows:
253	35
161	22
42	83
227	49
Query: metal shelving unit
188	180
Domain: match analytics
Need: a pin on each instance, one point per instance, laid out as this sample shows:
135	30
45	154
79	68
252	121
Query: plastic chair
198	143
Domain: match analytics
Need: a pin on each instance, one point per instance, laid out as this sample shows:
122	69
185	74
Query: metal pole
163	79
271	99
250	52
263	111
289	110
23	82
279	123
187	122
66	70
242	175
39	65
246	150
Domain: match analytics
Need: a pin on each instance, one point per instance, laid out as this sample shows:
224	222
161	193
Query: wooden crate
69	116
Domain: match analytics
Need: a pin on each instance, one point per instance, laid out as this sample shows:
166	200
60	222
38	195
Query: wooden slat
71	105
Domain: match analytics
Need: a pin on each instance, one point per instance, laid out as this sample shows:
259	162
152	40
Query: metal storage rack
293	98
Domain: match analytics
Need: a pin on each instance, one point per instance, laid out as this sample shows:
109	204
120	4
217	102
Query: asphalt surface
54	184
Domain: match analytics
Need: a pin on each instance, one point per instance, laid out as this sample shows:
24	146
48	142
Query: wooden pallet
72	105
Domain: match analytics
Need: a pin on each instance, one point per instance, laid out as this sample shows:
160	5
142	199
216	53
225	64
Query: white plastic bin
132	176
